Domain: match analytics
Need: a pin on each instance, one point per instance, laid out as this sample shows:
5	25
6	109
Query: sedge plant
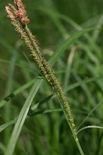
20	22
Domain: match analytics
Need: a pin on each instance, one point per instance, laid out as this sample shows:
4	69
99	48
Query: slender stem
79	147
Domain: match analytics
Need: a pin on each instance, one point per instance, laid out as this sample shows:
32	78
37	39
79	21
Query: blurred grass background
52	22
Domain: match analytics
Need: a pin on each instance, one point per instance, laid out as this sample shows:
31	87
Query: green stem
79	147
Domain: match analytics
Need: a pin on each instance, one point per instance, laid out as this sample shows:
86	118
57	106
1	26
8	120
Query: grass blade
22	117
66	44
16	92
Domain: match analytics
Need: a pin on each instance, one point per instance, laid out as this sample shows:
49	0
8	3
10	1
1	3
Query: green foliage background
52	22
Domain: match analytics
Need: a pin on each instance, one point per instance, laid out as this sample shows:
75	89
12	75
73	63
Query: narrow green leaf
19	90
66	44
22	117
91	112
92	126
4	126
82	82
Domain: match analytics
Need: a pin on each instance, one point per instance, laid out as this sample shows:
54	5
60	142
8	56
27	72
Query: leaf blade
55	56
21	118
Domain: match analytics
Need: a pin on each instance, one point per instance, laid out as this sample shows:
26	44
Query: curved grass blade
45	111
42	102
19	90
9	87
82	82
91	112
22	117
92	126
4	126
55	56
